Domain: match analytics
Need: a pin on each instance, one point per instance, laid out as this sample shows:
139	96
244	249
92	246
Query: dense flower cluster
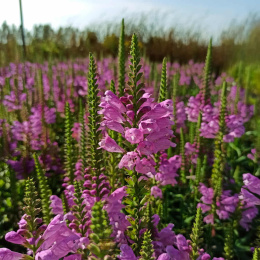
128	165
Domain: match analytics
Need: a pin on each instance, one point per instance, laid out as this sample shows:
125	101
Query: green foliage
138	195
93	119
256	255
134	76
101	243
176	80
182	152
121	59
163	85
45	191
229	242
197	133
207	75
32	204
219	159
147	247
83	137
79	210
68	148
196	235
65	205
112	86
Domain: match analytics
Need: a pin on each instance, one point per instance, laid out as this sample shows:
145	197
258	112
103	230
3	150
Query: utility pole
22	30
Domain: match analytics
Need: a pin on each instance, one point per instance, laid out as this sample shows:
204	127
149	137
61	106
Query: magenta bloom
209	219
205	208
15	238
145	166
10	255
156	192
110	145
126	253
149	126
164	256
134	135
208	194
168	171
129	160
56	205
252	183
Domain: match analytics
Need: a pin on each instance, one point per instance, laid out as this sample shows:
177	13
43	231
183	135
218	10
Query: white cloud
211	18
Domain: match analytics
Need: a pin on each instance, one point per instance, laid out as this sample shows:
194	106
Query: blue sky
210	16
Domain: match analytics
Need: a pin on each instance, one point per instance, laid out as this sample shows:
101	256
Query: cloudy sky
210	16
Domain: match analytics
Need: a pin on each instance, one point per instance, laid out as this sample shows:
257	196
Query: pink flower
7	254
15	238
129	160
126	253
204	207
168	171
145	166
56	205
61	248
146	148
209	219
58	236
115	126
134	135
110	145
111	113
208	194
73	257
164	256
167	236
113	100
149	126
252	183
156	192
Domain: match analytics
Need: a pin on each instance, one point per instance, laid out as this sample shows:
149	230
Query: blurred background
177	29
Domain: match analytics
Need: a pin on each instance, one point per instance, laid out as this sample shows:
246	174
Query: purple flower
156	192
208	194
249	198
58	239
7	254
146	148
110	145
145	166
252	155
15	238
193	108
73	257
164	256
56	205
113	100
129	160
205	208
252	183
247	217
167	236
209	219
112	125
134	135
126	253
149	126
168	170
